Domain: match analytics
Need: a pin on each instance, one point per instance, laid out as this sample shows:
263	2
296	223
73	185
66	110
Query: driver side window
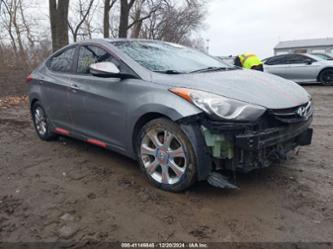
89	55
277	60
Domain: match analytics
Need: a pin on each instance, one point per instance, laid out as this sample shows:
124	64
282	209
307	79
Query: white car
301	68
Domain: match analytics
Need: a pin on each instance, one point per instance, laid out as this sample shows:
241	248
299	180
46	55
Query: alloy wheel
40	121
327	76
163	156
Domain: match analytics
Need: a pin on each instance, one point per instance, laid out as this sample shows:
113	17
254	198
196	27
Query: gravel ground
67	190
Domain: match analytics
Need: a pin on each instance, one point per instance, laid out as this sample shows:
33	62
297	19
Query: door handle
75	87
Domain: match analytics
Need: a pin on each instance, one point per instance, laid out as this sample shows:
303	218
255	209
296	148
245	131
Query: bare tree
7	22
26	25
125	8
137	11
169	20
108	4
14	22
89	27
195	42
173	23
15	7
19	36
143	10
81	12
59	24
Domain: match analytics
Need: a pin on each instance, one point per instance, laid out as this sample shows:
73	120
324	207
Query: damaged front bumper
245	147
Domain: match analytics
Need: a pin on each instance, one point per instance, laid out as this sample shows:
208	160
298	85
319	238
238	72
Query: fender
173	107
204	160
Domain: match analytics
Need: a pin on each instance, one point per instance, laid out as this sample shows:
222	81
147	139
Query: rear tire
41	123
166	155
326	76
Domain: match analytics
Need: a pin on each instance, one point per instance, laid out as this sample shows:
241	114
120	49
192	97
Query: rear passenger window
62	62
298	59
89	55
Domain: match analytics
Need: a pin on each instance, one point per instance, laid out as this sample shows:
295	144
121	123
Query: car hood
248	86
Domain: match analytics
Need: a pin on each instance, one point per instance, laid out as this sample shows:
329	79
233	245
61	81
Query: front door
277	65
97	104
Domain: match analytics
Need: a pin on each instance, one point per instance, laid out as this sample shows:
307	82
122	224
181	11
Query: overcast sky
238	26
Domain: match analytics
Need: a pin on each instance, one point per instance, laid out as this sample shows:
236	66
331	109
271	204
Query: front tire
41	122
166	155
326	76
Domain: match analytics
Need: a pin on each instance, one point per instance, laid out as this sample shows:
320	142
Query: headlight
222	107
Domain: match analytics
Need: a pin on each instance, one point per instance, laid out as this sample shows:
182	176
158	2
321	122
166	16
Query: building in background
305	46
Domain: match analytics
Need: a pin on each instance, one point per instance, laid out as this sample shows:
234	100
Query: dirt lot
68	190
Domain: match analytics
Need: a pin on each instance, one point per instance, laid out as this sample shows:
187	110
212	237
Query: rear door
97	104
56	83
302	68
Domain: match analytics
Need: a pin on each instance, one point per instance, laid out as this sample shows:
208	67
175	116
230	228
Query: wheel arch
171	110
322	70
33	101
144	119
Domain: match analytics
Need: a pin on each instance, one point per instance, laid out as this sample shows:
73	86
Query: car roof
305	54
103	40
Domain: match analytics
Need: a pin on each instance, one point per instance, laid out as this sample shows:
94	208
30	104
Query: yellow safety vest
249	60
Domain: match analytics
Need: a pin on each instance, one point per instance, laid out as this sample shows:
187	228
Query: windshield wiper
211	69
169	71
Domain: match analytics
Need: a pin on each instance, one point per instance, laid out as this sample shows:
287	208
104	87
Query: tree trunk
58	21
124	15
17	28
106	20
136	30
26	26
137	23
10	30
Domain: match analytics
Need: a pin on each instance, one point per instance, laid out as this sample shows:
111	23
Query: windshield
168	57
323	56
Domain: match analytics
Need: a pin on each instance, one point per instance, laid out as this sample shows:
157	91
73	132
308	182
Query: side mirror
308	61
104	69
108	70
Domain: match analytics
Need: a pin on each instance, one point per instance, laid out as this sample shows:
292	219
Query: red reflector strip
97	142
62	131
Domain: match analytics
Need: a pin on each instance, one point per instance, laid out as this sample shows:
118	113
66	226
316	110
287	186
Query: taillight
29	78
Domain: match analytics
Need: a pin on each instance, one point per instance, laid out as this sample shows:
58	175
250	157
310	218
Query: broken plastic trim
219	181
221	148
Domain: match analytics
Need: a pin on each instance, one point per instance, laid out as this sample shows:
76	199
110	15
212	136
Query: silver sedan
184	115
301	68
